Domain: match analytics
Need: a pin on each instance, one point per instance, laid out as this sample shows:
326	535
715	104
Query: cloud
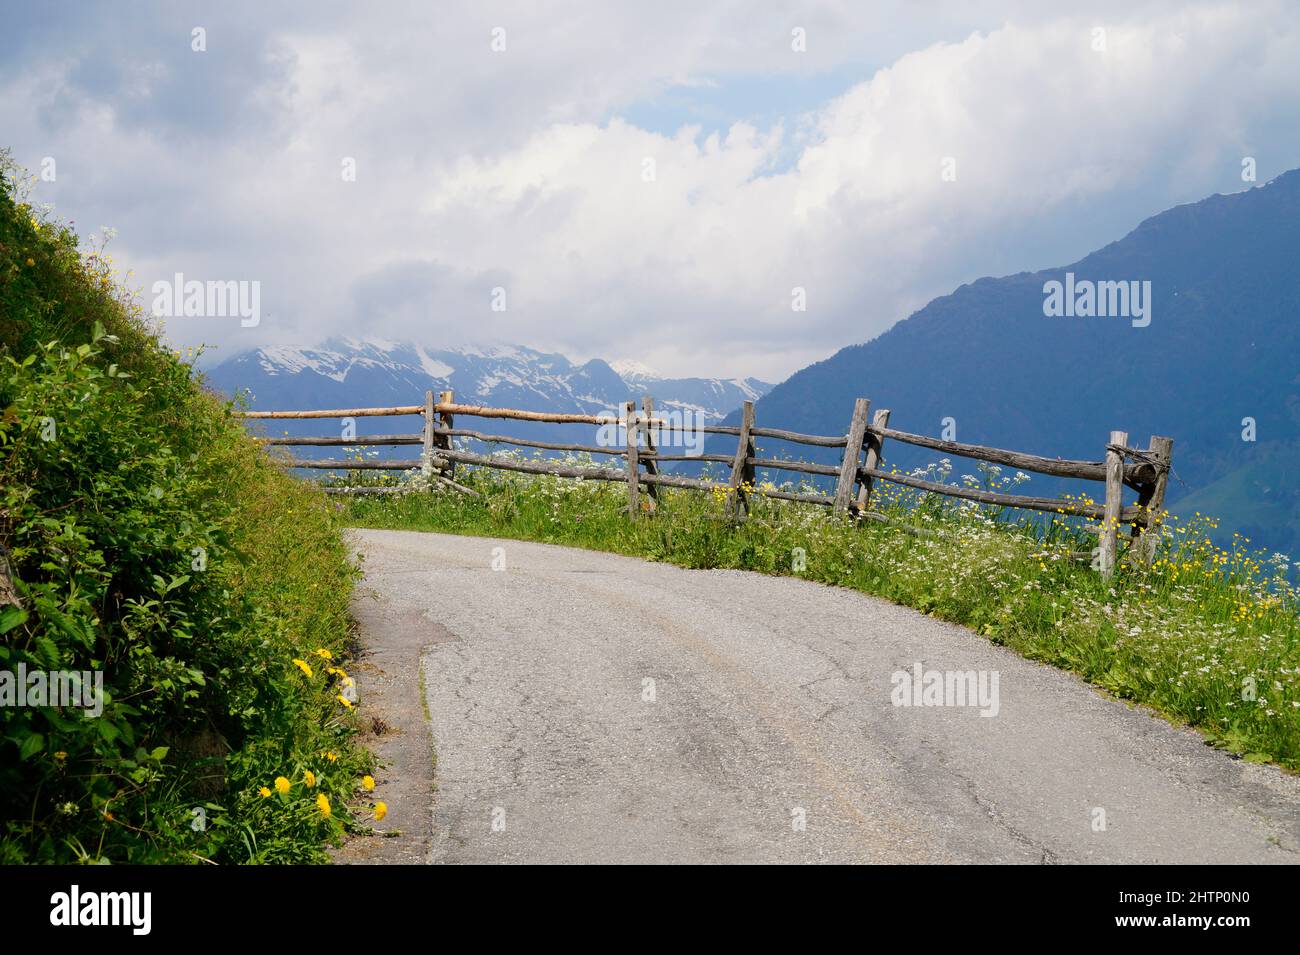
676	246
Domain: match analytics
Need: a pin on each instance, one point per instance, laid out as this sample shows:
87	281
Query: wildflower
344	700
31	261
332	757
60	756
282	785
323	804
381	810
302	665
263	791
368	783
309	778
324	654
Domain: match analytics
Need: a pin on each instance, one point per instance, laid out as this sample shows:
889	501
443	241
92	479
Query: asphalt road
586	707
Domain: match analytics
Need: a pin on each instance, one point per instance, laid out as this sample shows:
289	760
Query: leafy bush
151	541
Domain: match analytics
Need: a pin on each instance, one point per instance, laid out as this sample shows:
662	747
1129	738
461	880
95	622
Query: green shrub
151	541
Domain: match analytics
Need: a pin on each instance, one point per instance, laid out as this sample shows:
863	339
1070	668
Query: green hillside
1263	497
151	546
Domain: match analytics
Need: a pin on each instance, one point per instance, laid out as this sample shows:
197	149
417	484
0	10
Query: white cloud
478	169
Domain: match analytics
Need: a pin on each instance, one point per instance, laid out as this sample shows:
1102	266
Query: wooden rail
1145	470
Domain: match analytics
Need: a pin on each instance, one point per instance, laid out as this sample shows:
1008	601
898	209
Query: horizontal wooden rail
526	442
823	499
514	414
358	441
1056	467
1054	505
325	465
802	466
531	467
820	440
712	458
672	480
337	413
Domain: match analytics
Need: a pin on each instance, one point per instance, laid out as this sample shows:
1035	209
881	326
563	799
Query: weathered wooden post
1151	500
426	455
651	465
742	471
852	453
445	421
1114	503
875	444
633	459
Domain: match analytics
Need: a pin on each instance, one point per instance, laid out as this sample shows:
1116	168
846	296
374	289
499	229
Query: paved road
593	708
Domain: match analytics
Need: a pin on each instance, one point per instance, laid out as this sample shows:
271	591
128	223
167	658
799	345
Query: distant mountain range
1222	346
1212	357
370	372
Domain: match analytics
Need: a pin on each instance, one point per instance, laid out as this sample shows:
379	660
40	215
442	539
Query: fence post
1109	549
426	456
1146	532
651	465
852	453
445	421
633	459
875	444
742	472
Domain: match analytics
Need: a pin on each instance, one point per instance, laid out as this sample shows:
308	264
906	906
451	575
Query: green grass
151	541
1208	637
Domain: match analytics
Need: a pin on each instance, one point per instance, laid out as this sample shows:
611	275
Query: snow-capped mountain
348	372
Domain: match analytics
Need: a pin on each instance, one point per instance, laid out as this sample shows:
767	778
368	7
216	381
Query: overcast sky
645	181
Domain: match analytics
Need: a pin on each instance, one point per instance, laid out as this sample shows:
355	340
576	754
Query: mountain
353	373
1222	345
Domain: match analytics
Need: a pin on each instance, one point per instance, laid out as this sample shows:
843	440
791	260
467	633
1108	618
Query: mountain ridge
1223	346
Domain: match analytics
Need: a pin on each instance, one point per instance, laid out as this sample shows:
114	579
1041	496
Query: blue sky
648	184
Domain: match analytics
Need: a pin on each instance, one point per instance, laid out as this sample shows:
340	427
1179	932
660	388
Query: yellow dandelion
263	791
368	783
323	804
302	665
381	810
309	778
345	701
324	654
282	785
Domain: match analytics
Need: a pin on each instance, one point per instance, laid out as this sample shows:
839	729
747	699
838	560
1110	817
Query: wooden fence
1145	470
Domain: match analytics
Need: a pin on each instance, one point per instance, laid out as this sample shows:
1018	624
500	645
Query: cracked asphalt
591	708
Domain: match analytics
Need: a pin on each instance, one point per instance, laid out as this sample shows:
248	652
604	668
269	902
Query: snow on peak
631	368
431	366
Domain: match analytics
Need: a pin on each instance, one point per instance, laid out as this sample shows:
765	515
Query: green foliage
153	544
1208	636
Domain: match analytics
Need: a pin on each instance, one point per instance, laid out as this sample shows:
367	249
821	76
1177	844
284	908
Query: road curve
587	707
